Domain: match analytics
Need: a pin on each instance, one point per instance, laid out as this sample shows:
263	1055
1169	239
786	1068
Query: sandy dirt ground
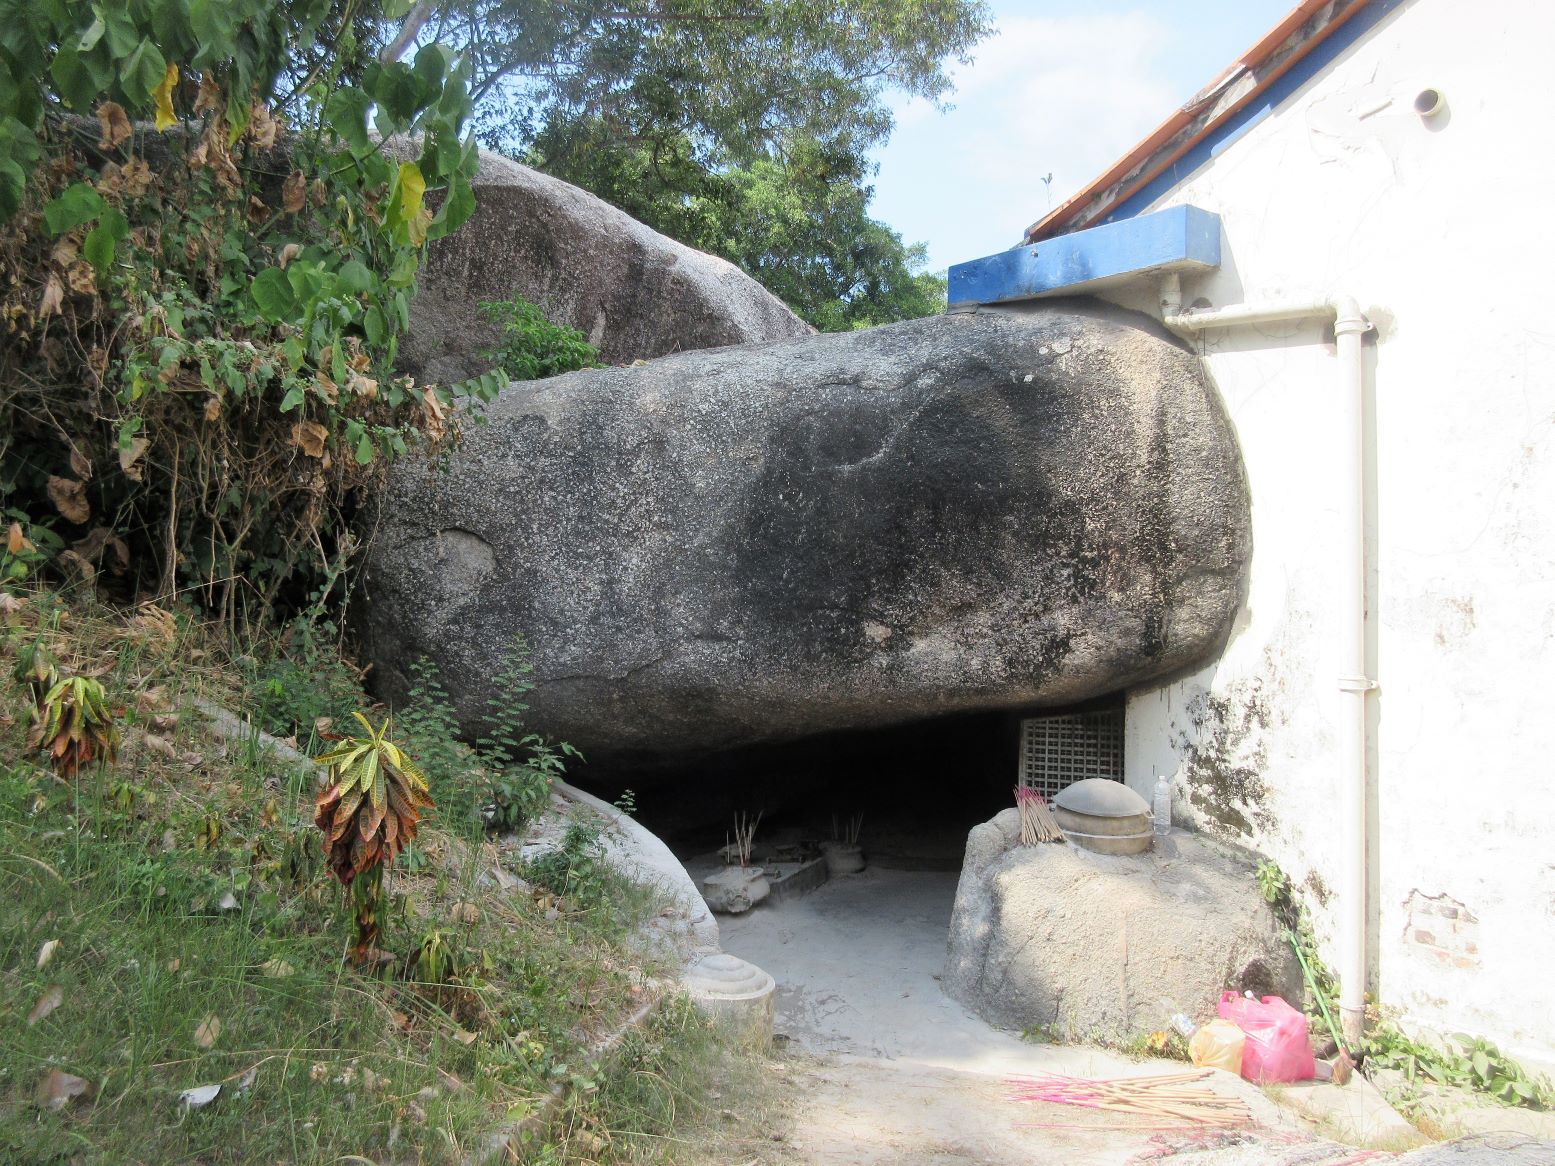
886	1069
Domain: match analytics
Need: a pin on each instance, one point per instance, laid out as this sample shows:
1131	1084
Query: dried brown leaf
294	192
82	278
212	408
53	298
436	415
207	1031
130	455
88	572
208	100
309	437
160	746
212	152
262	127
136	177
114	124
51	999
80	464
58	1089
69	498
363	386
15	541
288	253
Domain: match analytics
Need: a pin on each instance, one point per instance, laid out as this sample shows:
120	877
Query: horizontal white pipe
1254	313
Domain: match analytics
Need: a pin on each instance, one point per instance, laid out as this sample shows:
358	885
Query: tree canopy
742	127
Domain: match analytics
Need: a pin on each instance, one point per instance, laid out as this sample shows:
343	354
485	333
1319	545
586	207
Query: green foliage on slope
207	259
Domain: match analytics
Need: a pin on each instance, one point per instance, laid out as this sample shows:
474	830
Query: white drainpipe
1349	327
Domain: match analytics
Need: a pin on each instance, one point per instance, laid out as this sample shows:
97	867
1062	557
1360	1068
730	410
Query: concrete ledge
1180	238
790	880
1354	1112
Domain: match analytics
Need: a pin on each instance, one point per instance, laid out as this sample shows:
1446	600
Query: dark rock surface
970	512
635	293
1086	946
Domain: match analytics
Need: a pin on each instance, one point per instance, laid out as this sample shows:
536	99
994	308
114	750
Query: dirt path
888	1070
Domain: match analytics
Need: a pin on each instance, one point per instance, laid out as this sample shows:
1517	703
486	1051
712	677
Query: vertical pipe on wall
1350	326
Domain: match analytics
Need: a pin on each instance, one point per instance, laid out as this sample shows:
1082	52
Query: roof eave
1301	31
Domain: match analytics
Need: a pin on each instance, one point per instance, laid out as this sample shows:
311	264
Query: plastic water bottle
1161	806
1177	1018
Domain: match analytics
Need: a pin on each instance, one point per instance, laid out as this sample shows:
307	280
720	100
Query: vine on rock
212	216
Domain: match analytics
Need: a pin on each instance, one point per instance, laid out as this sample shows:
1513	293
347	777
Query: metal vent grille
1060	750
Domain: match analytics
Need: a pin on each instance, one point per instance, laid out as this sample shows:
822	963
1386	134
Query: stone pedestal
1087	946
737	995
735	889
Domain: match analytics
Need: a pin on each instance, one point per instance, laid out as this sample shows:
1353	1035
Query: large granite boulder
1087	946
981	511
635	293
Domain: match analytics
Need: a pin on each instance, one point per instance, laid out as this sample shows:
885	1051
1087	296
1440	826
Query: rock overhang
1003	509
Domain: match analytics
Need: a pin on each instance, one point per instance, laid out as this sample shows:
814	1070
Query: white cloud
1065	96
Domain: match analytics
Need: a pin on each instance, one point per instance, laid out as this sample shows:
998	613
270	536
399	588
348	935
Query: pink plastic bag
1276	1047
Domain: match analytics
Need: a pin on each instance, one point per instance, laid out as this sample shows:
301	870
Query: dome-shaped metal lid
1101	798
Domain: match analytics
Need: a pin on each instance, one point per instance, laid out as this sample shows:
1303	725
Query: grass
194	940
676	1092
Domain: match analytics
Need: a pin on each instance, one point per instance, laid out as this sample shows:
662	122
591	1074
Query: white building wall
1443	232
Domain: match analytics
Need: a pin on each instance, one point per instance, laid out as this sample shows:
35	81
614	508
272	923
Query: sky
1061	88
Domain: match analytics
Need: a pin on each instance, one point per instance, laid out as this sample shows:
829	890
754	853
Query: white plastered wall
1442	230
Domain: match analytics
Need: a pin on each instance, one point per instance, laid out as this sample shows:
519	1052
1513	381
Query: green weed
531	346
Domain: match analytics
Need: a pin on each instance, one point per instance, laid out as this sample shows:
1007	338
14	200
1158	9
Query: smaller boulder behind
636	294
1086	946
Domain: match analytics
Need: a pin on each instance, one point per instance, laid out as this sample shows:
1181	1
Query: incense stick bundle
1037	823
1171	1097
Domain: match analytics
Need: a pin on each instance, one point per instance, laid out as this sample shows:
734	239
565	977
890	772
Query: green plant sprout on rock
531	347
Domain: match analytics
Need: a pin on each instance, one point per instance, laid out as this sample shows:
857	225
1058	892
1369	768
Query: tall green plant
521	767
368	813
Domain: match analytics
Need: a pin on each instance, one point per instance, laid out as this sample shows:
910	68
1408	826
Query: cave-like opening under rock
920	787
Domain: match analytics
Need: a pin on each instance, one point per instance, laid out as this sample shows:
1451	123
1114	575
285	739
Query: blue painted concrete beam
1180	238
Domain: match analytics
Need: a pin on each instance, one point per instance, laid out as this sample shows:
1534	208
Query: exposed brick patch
1441	929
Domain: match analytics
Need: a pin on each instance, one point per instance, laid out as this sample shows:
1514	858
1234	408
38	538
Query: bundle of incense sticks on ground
1037	823
1170	1098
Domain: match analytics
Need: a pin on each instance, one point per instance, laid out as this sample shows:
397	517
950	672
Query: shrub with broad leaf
368	813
